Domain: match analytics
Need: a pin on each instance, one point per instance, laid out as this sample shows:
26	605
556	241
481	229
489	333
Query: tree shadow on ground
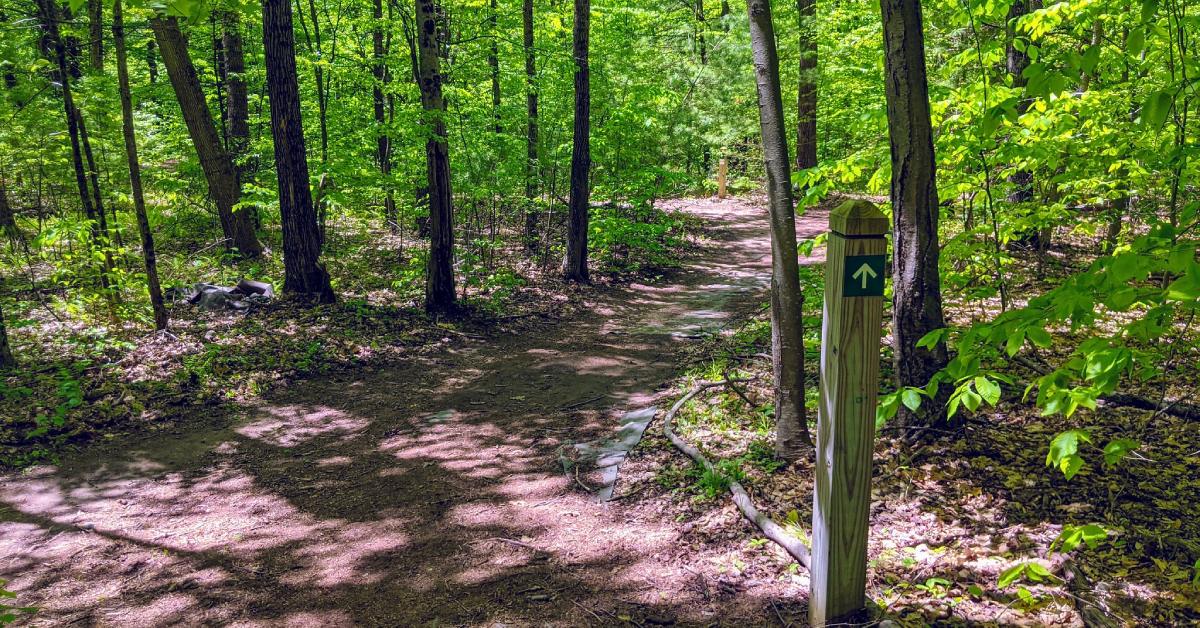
431	492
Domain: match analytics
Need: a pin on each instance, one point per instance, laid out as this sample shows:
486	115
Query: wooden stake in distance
850	333
722	171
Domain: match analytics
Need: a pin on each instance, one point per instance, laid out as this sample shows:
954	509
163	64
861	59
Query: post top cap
858	217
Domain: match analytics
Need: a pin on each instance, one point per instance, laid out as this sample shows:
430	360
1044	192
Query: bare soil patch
425	493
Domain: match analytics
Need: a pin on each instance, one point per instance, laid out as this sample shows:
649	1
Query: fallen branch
773	531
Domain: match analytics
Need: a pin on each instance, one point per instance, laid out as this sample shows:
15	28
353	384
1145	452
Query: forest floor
434	491
431	492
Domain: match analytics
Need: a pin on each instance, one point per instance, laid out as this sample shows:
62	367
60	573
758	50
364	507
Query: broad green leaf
1135	42
931	339
1014	342
1010	575
989	390
911	398
1149	8
1117	449
1155	109
1071	466
1066	444
1038	336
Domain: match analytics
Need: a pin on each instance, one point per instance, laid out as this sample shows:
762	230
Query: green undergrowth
84	376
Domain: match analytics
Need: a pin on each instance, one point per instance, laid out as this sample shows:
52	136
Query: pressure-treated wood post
722	172
850	333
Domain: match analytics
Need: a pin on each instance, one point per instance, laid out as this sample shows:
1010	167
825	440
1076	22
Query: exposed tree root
773	531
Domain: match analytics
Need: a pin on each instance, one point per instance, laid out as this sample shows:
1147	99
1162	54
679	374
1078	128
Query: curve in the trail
400	496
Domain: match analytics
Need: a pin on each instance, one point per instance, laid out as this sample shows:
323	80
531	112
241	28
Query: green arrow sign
863	276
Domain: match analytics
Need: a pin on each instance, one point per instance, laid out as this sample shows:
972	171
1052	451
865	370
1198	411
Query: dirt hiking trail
426	494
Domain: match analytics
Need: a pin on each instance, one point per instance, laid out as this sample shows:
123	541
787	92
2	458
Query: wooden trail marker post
850	336
722	172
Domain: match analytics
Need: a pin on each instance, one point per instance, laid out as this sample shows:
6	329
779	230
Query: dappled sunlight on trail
397	496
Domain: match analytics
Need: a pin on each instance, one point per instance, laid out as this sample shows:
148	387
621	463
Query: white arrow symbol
866	273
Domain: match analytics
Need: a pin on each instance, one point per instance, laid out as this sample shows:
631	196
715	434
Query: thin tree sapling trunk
787	300
135	171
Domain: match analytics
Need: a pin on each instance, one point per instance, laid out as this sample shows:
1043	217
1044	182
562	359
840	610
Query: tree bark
787	300
151	62
96	34
135	172
531	131
237	112
8	221
7	360
701	30
1016	62
917	296
494	64
383	143
806	92
303	272
221	74
236	224
439	279
575	264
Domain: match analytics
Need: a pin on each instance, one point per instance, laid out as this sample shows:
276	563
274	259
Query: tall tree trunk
7	360
787	300
96	34
236	224
303	272
494	64
383	143
531	131
220	73
1016	61
701	32
237	112
439	279
8	221
806	92
151	61
917	295
135	172
575	264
